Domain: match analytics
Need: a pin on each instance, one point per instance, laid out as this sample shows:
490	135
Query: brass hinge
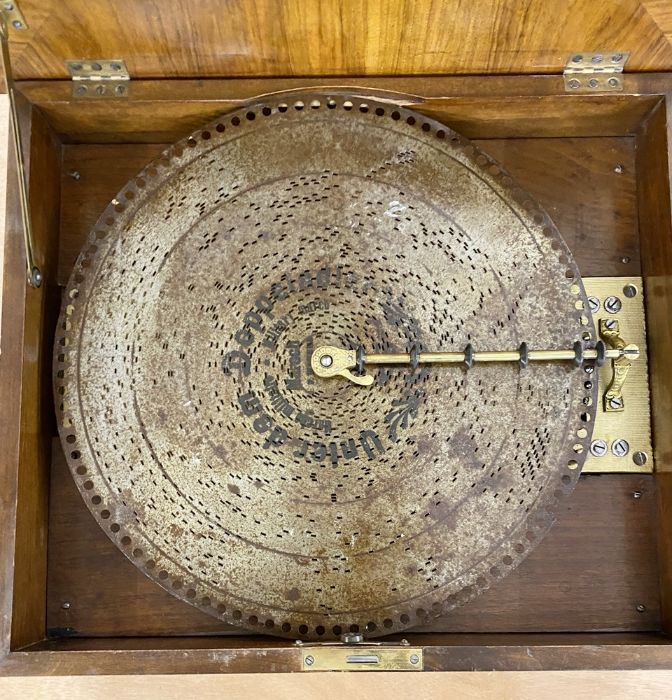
99	78
355	654
595	72
13	15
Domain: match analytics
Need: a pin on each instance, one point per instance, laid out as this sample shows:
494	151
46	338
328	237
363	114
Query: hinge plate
595	72
99	78
12	14
361	657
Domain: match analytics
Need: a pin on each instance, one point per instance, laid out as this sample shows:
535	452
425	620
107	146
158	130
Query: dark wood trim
504	652
159	111
13	293
655	225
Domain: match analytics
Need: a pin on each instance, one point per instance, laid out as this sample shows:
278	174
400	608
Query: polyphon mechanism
321	368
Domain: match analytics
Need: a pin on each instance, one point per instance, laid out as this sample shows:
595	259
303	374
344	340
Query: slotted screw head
574	84
640	458
310	660
613	304
610	323
620	447
598	448
414	658
616	402
593	304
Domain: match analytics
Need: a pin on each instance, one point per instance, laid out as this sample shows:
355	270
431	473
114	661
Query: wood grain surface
590	573
575	179
169	38
521	685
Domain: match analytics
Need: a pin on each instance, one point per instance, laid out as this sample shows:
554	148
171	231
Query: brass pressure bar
330	361
426	358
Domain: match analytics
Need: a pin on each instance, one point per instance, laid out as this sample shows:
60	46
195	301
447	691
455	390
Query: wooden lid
212	38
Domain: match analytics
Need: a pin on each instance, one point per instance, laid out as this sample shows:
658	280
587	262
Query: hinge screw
613	82
414	658
617	58
574	84
309	660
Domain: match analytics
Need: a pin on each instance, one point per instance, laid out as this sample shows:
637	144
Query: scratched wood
576	180
590	573
170	38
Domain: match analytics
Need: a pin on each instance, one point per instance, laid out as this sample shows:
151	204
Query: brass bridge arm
329	361
610	333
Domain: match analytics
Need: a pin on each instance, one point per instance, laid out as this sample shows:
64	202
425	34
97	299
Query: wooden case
597	593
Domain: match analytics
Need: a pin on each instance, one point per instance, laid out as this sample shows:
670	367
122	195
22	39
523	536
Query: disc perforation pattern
277	501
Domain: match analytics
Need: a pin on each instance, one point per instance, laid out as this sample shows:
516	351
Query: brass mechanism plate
361	658
621	441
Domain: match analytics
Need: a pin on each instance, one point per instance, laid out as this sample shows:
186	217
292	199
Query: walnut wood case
596	594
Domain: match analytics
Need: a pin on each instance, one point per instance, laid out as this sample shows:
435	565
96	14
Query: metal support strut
33	271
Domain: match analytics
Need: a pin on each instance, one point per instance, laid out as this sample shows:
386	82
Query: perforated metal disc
238	480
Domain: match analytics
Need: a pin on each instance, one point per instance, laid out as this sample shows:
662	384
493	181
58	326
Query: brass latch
595	72
99	78
352	653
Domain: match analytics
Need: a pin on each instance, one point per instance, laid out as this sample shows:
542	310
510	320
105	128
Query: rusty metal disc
223	468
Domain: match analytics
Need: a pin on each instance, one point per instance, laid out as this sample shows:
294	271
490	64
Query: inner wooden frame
162	112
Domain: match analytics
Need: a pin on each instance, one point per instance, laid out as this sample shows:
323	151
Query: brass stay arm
329	361
33	271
